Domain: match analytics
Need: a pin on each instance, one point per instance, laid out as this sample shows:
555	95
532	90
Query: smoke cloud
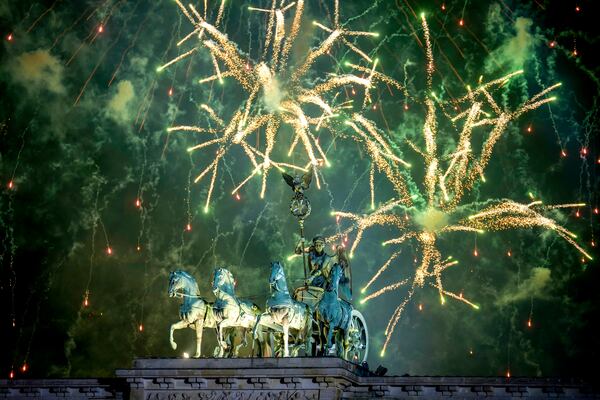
534	286
38	70
119	105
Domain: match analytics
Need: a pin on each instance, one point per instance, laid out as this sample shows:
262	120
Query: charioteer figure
317	258
320	265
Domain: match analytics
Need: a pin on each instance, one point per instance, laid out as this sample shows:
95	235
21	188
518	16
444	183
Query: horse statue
194	312
284	313
229	311
334	313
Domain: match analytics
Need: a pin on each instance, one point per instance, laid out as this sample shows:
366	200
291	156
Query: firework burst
423	216
276	94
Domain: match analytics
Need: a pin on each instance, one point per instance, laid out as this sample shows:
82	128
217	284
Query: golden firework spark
447	178
277	95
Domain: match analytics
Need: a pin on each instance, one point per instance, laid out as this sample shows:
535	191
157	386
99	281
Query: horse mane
189	277
228	286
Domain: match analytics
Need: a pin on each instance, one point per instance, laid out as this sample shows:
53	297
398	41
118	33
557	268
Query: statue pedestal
282	379
241	379
318	379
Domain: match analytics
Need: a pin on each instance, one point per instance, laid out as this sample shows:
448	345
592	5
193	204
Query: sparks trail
275	96
149	96
446	181
104	55
96	31
258	219
73	25
130	46
42	16
46	279
8	241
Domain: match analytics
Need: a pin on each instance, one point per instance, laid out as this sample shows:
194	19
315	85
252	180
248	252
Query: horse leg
307	335
220	342
199	331
286	335
177	325
346	342
255	329
243	343
330	337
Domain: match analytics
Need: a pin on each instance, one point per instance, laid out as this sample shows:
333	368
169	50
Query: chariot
357	348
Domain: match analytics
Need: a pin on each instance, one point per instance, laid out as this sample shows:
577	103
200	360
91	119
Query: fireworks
448	176
276	95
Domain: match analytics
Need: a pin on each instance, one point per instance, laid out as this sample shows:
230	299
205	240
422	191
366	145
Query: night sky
98	203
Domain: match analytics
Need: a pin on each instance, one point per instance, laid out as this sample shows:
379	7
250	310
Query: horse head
335	276
223	281
180	280
277	277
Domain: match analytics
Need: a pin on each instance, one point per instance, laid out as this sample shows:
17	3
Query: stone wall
284	379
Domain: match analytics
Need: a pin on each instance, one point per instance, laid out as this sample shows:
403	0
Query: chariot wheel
358	339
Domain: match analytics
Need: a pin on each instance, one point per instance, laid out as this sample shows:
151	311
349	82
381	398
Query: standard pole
301	222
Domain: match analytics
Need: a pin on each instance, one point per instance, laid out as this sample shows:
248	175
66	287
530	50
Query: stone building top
285	379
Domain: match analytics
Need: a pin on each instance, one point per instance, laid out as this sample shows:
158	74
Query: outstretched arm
298	249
